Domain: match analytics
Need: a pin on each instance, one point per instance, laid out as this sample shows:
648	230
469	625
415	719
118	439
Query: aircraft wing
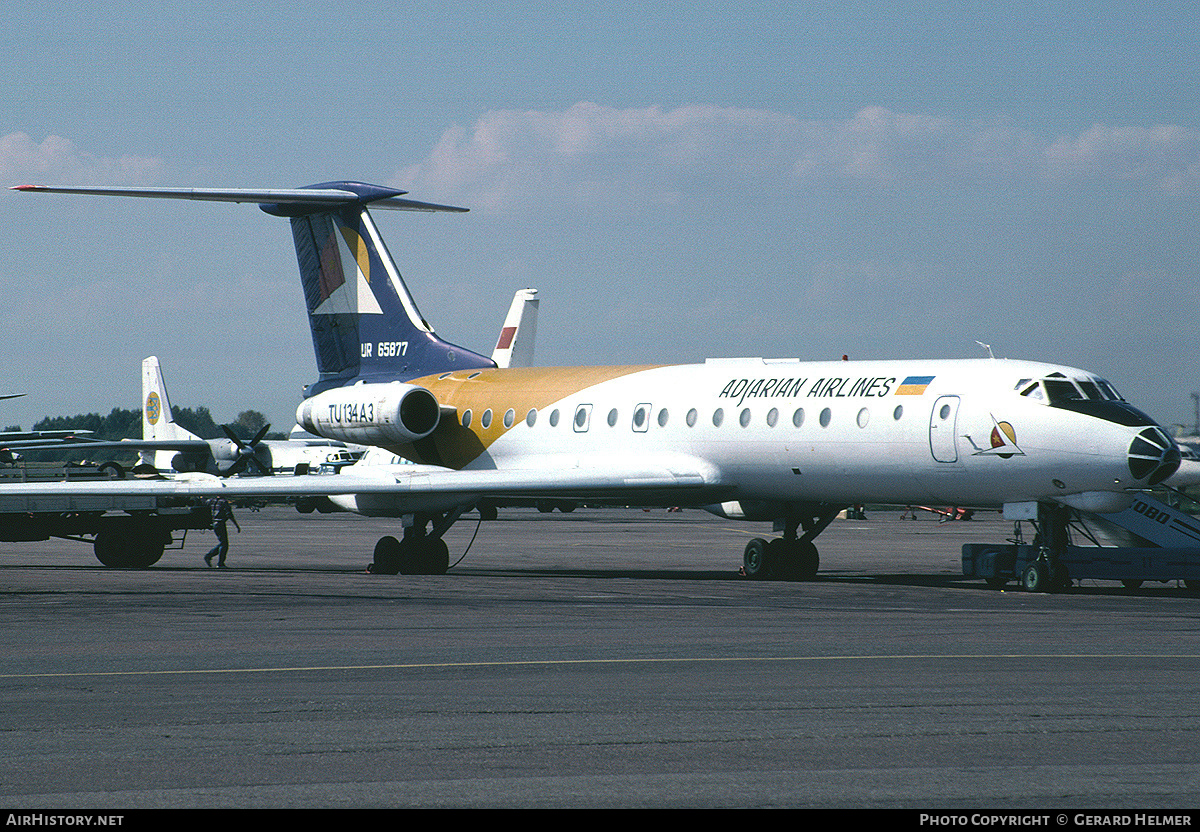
105	444
426	486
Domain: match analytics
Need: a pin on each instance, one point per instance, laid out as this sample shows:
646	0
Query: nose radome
1154	455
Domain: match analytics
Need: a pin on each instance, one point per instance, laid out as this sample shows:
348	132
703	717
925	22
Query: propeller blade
233	437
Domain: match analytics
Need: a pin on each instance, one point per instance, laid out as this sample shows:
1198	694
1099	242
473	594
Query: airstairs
1149	541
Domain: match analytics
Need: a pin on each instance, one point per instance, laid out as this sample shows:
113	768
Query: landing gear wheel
1131	583
1191	583
807	560
996	583
783	560
112	470
389	556
432	557
1060	578
1036	577
755	561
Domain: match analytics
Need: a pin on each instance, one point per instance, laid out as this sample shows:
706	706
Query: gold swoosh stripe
520	389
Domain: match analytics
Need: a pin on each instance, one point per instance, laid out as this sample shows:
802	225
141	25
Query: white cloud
510	159
1165	154
513	157
56	160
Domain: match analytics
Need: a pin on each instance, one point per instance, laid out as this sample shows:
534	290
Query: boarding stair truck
1148	541
130	531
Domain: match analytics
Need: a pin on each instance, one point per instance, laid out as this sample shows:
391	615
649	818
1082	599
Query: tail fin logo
341	255
153	408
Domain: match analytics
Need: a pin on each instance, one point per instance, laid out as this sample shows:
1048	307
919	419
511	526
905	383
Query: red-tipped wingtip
24	188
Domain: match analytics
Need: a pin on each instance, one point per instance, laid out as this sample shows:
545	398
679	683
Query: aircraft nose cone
1154	455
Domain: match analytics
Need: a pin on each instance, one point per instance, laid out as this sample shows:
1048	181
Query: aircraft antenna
987	347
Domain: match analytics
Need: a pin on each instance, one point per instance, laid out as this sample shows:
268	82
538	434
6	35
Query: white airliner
780	440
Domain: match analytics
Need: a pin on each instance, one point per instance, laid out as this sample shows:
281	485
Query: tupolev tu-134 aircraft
782	440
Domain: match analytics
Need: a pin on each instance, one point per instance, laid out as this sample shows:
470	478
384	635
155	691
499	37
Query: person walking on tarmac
222	511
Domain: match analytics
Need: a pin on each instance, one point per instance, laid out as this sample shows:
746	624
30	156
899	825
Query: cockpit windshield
1086	394
1057	389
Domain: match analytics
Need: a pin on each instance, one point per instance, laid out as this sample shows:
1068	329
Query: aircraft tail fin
365	323
515	345
158	422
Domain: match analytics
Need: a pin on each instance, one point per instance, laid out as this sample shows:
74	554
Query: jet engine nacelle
371	414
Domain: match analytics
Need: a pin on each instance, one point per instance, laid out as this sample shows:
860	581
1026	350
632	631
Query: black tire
435	557
1036	577
147	548
755	561
1132	583
996	583
1060	578
127	545
389	556
808	560
783	560
109	548
112	470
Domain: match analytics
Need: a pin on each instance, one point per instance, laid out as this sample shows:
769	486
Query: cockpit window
1110	390
1088	395
1090	390
1061	391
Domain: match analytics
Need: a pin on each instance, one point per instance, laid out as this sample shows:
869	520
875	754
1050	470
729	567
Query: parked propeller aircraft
780	440
224	457
166	448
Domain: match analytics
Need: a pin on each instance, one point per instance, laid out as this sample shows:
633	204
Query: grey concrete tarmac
605	658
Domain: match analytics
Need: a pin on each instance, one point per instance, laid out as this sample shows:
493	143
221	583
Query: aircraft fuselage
959	431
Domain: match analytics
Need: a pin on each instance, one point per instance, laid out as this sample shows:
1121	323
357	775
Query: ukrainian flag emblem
913	385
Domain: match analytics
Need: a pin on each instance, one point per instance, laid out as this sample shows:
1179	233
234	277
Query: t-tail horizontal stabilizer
365	324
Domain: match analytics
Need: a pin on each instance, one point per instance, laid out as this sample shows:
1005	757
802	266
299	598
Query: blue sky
689	180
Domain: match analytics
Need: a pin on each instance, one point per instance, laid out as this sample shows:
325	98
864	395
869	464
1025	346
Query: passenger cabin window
583	417
641	418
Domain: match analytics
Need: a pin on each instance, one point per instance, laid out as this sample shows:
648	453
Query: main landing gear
418	552
789	558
